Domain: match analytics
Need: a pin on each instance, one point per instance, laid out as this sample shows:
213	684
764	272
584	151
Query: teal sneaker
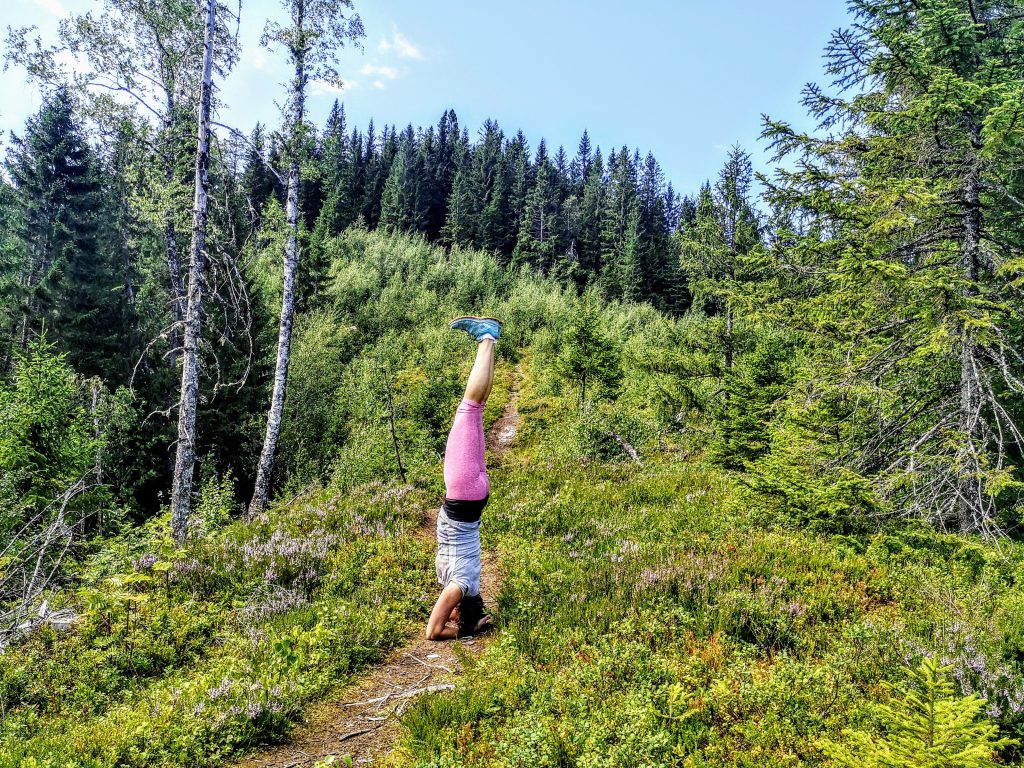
477	327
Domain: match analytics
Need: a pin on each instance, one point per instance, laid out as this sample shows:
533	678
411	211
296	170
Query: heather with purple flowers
974	667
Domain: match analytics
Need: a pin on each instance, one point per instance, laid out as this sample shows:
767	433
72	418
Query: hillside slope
649	614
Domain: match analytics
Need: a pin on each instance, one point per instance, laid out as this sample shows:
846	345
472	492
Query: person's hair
471	610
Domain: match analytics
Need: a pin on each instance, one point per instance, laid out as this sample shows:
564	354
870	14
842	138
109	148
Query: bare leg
481	378
447	601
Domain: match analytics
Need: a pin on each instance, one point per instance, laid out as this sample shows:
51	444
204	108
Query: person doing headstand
467	489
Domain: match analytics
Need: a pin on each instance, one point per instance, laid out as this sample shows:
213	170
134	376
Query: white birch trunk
171	240
181	498
261	492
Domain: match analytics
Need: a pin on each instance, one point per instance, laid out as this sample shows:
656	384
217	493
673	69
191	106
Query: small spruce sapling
927	726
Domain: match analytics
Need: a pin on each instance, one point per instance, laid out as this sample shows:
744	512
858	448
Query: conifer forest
755	447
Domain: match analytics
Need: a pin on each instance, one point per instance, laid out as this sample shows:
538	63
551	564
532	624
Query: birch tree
319	29
184	464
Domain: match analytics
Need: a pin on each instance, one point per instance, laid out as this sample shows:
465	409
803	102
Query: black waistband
465	511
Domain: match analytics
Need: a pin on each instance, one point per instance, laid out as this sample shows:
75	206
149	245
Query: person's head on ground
470	612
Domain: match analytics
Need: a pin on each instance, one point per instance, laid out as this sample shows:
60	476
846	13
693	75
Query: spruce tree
13	263
582	162
717	250
591	211
461	222
927	726
72	285
518	155
259	183
620	203
907	292
441	167
542	228
589	356
496	233
402	206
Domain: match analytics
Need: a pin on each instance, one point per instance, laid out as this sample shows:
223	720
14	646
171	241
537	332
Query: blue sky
683	79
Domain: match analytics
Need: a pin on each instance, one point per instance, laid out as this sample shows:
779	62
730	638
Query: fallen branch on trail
429	666
403	695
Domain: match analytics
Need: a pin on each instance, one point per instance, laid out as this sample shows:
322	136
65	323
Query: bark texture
181	497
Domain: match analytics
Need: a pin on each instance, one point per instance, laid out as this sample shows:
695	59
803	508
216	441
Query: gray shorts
458	554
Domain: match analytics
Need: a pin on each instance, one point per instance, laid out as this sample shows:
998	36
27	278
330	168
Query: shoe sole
475	317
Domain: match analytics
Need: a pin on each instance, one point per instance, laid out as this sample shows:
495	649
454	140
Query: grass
187	656
647	617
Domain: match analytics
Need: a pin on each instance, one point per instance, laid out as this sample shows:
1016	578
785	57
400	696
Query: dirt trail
363	721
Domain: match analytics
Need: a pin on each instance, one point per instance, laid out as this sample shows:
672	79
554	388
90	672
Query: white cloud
401	45
388	73
52	6
405	49
383	70
259	60
324	88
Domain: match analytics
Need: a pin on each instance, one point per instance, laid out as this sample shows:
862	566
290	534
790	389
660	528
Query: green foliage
700	517
47	439
927	727
131	445
182	656
648	619
589	355
879	262
70	278
648	615
311	431
753	391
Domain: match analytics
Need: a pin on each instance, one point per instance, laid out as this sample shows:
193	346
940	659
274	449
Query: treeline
587	218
